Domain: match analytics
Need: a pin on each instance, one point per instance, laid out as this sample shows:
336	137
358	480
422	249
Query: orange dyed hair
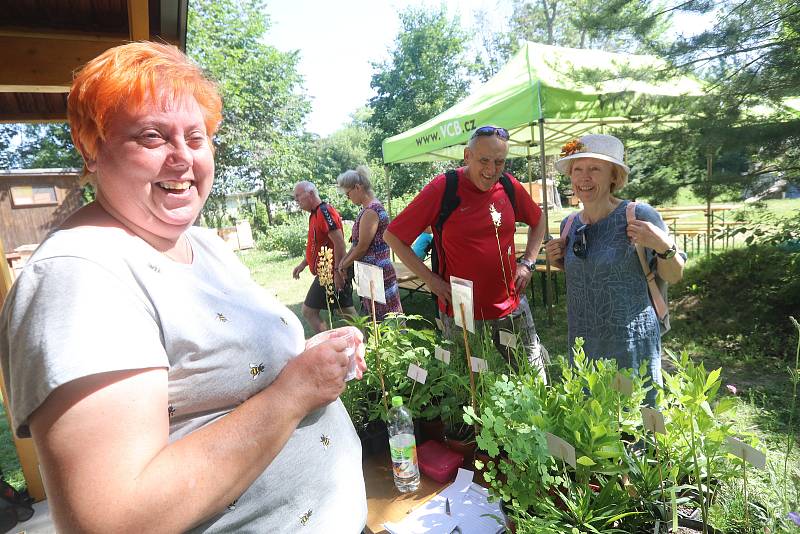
128	75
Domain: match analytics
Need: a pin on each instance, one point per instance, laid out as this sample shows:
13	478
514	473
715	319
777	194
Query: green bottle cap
397	401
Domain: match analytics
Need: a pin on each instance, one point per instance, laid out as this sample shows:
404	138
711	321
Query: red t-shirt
322	220
469	241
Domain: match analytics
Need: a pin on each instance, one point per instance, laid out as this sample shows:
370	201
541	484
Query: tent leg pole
709	241
545	191
389	197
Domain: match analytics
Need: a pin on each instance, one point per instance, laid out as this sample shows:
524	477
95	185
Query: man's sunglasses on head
502	133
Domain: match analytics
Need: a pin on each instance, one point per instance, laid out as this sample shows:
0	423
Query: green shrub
742	296
289	237
255	212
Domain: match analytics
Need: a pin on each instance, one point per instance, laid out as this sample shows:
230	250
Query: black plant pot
694	523
374	438
430	429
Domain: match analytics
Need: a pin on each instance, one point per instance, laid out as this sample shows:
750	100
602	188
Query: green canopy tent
545	96
550	85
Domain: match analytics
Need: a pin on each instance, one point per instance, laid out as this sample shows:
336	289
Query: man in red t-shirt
324	230
469	245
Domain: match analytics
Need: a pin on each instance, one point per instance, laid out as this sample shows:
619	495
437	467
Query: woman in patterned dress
368	244
608	303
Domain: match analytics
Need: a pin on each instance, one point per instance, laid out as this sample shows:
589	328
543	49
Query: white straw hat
605	147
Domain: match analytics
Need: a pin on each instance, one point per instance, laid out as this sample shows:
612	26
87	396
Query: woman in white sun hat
608	300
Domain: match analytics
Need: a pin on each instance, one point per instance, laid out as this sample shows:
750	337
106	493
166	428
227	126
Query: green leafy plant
398	346
697	431
581	508
794	373
510	433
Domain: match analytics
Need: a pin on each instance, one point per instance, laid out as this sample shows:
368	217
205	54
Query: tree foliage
749	58
614	25
261	143
427	72
38	146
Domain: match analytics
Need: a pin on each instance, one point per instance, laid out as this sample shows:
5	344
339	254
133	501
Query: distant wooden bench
409	281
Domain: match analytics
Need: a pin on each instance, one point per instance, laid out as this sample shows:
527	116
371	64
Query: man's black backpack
450	202
15	507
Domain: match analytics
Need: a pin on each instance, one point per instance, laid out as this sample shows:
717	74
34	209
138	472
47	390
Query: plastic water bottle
403	447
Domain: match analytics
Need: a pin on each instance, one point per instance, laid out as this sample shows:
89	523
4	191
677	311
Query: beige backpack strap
655	295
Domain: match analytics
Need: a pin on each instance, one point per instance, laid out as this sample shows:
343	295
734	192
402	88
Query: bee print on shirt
325	440
284	322
306	517
171	411
232	506
221	318
154	267
256	369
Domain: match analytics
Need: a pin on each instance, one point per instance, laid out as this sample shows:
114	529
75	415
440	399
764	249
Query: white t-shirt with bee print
92	300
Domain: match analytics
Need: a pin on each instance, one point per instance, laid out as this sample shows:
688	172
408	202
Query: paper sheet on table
461	291
430	523
471	511
366	273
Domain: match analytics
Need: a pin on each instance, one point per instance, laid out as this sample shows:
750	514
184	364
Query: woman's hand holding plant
315	378
355	339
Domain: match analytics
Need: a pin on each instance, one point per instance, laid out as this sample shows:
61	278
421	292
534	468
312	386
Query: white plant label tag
442	355
653	420
461	291
754	457
560	449
415	372
507	339
463	480
478	365
622	384
369	275
439	324
657	528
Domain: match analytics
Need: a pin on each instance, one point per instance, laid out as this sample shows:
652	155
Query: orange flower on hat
573	147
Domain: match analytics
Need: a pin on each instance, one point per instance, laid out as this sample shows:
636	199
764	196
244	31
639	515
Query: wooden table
384	501
406	279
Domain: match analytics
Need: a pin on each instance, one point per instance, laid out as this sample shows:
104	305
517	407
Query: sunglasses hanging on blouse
580	244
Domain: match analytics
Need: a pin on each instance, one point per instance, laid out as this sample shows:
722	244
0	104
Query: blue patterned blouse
608	303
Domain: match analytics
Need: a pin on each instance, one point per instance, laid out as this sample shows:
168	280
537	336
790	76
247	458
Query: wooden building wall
23	225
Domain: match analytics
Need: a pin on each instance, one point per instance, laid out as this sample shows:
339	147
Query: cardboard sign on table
653	420
508	339
560	449
478	365
415	372
366	273
622	384
461	291
442	355
742	450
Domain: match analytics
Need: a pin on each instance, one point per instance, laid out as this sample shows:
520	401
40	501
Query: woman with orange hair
165	391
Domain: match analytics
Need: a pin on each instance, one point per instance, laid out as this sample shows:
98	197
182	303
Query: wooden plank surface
28	459
384	501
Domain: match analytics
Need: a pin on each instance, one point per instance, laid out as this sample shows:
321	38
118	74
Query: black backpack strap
450	202
505	181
